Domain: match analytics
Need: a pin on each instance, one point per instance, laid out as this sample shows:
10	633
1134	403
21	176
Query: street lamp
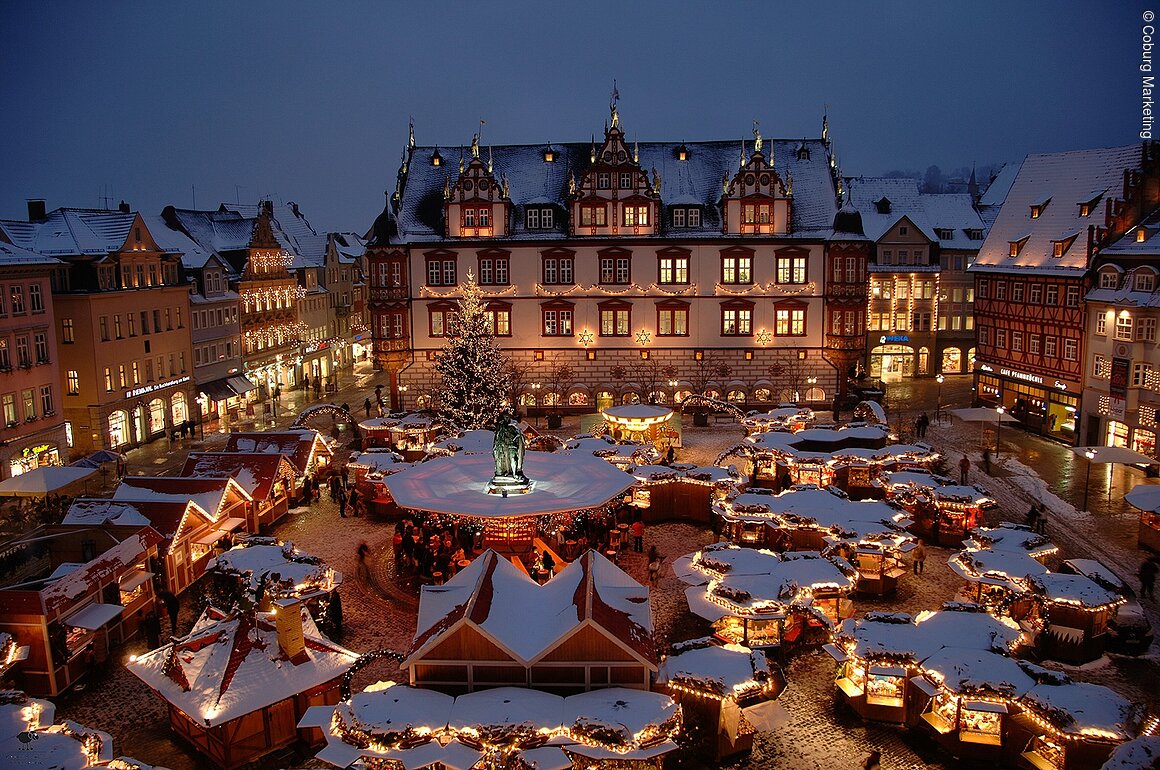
938	402
1000	411
673	385
1090	455
402	397
536	399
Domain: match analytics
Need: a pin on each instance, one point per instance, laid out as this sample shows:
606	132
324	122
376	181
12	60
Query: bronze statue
508	450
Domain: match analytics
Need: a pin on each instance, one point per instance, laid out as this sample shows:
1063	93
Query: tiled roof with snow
216	231
210	495
14	256
72	232
193	256
296	445
227	667
696	181
113	561
1057	183
930	212
495	596
163	516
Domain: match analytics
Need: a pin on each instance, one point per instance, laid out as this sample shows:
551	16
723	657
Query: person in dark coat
1148	572
151	625
334	615
172	605
367	406
342	503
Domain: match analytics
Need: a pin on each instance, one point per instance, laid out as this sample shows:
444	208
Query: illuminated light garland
690	289
488	291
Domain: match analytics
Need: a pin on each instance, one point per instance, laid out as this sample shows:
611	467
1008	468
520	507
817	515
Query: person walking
342	503
355	501
638	535
1148	572
987	460
964	470
873	762
919	557
364	551
654	565
172	606
306	382
367	406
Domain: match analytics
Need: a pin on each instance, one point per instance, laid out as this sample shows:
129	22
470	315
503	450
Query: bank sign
1118	387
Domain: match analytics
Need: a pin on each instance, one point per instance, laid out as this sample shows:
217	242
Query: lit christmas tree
471	366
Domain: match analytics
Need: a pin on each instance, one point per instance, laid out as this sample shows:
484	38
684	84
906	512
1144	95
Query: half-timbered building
1032	273
617	256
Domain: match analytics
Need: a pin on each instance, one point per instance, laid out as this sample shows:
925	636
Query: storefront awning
134	579
94	616
240	385
227	387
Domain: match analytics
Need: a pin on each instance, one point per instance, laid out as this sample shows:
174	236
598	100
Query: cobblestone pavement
380	606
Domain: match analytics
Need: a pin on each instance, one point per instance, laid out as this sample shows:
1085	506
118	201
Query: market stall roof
897	634
258	558
458	485
209	494
1074	589
101	510
716	474
472	442
501	708
379	462
44	480
624	712
1146	497
91	575
987	565
388	708
1114	454
724	670
61	747
974	672
1079	708
256	472
300	445
1141	753
1015	538
640	414
982	414
493	596
229	666
93	616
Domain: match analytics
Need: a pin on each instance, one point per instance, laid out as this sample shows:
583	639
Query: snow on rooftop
1074	589
1079	708
970	672
719	669
1141	753
880	635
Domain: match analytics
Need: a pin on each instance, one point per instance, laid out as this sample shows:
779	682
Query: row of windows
210	317
1014	341
1036	293
615	270
118	328
137	274
214	352
1141	371
903	257
1143	280
544	217
29	351
130	374
12	299
888	289
1145	328
616	321
28	401
900	322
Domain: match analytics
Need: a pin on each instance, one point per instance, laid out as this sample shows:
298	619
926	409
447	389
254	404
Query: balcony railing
384	294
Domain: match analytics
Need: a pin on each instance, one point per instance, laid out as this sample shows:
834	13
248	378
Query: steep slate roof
14	256
992	198
1062	181
208	494
528	619
193	256
229	666
696	181
928	212
71	232
256	472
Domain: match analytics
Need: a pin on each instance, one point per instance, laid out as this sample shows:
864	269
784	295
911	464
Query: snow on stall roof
1078	707
1009	536
625	711
637	412
101	510
388	708
504	707
458	485
1098	572
255	472
259	559
972	565
230	666
378	461
1141	753
1065	179
209	494
715	473
897	634
494	595
472	442
968	672
295	444
1057	586
720	669
115	560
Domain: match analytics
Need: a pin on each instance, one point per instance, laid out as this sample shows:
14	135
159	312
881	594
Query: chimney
123	207
36	210
268	207
288	614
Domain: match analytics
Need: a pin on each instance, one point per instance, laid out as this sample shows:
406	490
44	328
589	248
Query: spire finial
411	133
757	142
825	124
636	152
614	97
489	164
474	146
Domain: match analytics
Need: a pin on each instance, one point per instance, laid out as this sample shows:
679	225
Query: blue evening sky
146	101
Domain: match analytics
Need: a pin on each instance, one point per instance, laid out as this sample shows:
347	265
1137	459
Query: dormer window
1017	246
1037	208
803	152
883	205
1060	247
974	234
539	218
1085	209
436	158
686	217
681	153
944	234
1145	280
1141	235
1109	279
549	154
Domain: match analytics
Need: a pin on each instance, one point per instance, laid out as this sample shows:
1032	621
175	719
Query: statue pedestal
509	485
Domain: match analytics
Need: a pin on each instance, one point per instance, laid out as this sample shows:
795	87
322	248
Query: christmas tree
471	367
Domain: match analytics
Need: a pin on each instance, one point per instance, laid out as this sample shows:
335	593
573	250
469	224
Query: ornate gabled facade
1034	270
619	256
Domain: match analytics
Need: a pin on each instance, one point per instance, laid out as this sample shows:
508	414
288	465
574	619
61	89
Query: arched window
952	360
713	393
178	408
527	399
762	394
815	394
578	398
681	395
631	397
156	415
787	396
923	360
118	429
736	397
604	399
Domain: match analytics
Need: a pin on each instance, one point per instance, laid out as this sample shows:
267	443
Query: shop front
891	360
49	447
1044	405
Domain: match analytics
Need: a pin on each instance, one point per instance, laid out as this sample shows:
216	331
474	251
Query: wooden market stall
306	449
263	570
731	690
370	470
268	477
1067	725
237	685
1072	614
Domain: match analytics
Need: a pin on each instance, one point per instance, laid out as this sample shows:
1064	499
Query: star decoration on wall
586	337
644	336
763	337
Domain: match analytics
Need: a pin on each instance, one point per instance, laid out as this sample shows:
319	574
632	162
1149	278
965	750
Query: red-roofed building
492	625
305	449
238	685
268	478
71	593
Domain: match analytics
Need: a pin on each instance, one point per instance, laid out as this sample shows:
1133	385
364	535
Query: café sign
141	391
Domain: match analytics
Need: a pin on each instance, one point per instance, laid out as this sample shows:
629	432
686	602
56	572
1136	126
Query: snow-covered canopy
995	567
378	462
30	741
1141	753
1012	537
974	672
472	442
1082	709
258	558
1075	590
229	666
728	671
827	509
898	636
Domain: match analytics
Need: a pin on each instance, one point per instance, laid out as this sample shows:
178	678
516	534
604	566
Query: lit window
636	216
557	323
67	331
791	269
790	322
674	270
1124	327
737	269
673	321
736	322
74	382
1145	281
614	322
1146	329
1102	324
